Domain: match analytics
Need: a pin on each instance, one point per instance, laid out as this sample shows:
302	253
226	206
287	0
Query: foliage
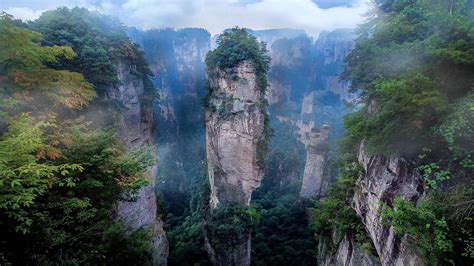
23	73
57	192
411	63
227	225
236	46
425	226
333	212
99	41
187	242
59	177
440	227
282	236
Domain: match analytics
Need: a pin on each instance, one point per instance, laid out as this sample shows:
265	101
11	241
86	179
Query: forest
130	145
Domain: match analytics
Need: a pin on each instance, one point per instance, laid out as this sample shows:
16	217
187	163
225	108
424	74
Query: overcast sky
313	16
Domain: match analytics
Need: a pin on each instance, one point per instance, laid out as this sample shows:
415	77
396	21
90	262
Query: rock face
348	253
315	177
136	129
234	126
385	179
233	130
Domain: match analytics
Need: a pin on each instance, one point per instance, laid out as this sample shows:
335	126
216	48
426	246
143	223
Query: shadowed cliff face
176	58
135	124
348	252
383	180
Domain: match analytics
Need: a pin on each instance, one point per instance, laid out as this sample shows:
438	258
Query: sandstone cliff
234	126
384	179
233	130
135	123
315	177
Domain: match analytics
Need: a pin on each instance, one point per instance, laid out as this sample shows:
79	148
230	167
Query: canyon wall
234	126
135	123
347	252
383	180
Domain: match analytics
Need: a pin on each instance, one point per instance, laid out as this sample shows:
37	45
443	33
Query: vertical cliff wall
176	58
385	179
316	177
135	122
234	126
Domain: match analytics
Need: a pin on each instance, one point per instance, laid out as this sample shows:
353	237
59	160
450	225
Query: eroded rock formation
234	126
135	123
315	177
385	179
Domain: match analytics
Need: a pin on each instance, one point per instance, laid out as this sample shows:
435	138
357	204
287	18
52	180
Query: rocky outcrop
385	179
234	126
135	122
315	177
347	253
233	130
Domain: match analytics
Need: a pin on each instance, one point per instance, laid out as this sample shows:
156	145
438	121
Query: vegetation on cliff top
236	46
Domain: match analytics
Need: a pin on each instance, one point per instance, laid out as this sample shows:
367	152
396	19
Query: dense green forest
413	68
60	172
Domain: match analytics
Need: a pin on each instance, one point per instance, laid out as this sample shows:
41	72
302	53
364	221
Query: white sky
213	15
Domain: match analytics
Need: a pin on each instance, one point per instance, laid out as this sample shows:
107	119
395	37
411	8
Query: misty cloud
213	15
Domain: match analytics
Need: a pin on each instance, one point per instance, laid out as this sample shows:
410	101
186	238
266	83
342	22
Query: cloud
24	13
215	15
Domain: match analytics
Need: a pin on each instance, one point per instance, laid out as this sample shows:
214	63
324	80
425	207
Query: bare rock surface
136	129
385	179
315	176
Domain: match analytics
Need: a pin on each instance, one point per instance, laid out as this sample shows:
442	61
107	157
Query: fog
213	15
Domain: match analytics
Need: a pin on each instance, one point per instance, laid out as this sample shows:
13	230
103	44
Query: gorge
144	145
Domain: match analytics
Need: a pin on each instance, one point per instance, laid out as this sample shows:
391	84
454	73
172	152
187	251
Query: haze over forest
237	132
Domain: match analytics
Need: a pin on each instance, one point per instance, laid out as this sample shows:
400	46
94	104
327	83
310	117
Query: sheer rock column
315	177
235	123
